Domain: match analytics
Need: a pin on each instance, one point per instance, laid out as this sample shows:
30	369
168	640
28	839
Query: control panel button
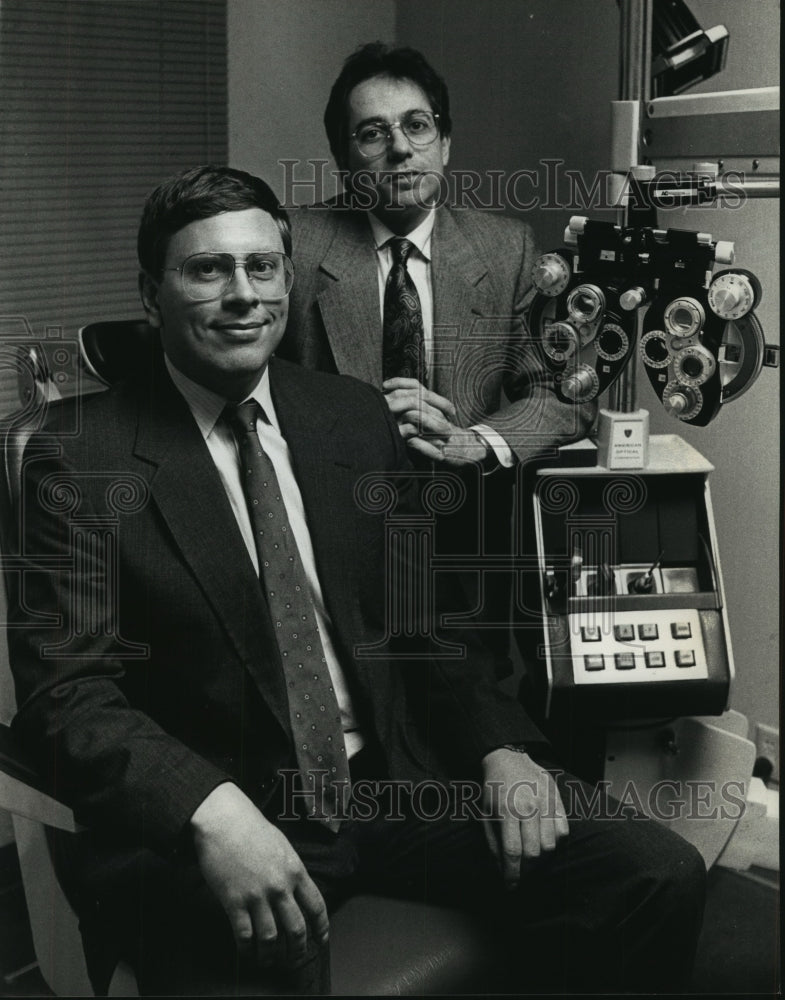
655	658
596	661
681	630
624	633
685	658
590	633
625	661
648	631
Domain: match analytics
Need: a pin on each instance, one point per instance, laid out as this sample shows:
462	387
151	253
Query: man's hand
529	816
260	881
426	422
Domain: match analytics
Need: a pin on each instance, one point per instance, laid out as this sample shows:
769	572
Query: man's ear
445	141
148	290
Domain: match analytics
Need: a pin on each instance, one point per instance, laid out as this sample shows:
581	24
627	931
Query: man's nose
241	288
398	145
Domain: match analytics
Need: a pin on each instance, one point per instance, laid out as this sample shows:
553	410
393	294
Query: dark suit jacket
481	265
137	704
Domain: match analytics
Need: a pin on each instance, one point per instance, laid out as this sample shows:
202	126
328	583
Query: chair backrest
114	349
27	392
109	351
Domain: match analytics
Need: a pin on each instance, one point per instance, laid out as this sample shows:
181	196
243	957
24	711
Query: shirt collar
419	236
207	406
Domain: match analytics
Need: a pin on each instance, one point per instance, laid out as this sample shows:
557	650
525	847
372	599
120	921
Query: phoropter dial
682	401
612	342
654	349
693	365
551	274
732	294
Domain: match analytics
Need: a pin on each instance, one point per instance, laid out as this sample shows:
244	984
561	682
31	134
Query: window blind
99	101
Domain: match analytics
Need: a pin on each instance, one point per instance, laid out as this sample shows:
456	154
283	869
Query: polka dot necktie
403	332
313	708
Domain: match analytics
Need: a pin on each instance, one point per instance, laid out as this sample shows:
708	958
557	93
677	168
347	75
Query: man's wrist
214	807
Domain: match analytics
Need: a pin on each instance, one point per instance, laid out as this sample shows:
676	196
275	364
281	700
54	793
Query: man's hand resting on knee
528	817
270	899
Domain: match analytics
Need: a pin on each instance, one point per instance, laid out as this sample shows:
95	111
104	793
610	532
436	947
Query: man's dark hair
378	59
200	193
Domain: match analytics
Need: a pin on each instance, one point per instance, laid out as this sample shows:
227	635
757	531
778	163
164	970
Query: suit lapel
349	303
189	494
348	299
460	295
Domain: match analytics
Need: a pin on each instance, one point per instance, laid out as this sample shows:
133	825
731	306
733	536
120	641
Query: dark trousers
616	907
479	525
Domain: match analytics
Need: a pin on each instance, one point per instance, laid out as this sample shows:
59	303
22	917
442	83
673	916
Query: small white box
623	439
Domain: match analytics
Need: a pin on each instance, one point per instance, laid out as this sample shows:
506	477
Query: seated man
212	580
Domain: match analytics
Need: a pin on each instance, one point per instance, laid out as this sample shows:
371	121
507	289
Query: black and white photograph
390	503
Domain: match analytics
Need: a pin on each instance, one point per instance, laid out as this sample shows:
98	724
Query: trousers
617	907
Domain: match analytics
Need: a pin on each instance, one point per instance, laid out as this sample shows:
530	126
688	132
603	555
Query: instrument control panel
631	600
630	647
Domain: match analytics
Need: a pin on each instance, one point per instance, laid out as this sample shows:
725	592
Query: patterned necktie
314	715
403	333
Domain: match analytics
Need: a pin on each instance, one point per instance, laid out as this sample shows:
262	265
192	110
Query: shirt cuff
496	443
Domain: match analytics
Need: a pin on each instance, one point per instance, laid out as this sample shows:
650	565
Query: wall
283	58
529	82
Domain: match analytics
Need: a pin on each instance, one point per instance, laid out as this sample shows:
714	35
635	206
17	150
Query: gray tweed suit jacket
484	359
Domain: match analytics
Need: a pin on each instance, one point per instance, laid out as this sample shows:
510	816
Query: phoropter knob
733	294
551	274
633	298
682	401
678	402
580	385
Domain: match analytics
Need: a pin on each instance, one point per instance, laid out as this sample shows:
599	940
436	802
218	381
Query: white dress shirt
419	267
206	408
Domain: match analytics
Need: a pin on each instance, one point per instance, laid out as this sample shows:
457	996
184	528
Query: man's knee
666	876
681	870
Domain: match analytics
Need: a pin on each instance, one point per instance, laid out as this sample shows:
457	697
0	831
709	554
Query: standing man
426	302
194	686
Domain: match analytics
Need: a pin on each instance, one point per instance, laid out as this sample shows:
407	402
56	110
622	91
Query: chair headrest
116	349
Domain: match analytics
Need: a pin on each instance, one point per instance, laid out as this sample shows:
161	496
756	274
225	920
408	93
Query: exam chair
379	946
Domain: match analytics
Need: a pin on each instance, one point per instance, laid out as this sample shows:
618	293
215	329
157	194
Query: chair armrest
21	789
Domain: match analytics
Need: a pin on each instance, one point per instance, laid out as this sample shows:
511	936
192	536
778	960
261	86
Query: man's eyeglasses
207	275
420	127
